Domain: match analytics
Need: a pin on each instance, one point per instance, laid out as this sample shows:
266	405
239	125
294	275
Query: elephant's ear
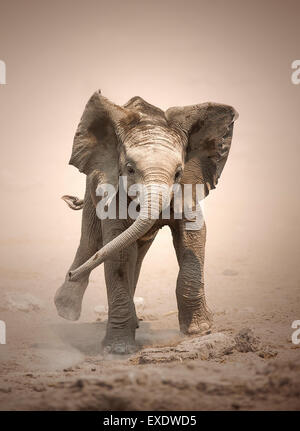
208	128
96	141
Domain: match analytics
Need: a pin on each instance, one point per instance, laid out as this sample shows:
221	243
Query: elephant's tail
73	202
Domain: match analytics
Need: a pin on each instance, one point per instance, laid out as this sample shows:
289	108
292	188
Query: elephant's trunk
150	210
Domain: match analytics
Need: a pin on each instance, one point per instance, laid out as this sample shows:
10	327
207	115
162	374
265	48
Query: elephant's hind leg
143	247
68	298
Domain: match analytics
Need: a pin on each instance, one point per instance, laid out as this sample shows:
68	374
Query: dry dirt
248	362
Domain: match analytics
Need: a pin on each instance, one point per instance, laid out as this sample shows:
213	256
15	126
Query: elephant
182	145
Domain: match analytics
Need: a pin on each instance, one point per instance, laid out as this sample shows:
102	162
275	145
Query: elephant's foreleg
120	284
193	314
68	298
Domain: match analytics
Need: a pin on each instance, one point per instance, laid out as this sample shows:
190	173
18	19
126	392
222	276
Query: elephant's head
151	147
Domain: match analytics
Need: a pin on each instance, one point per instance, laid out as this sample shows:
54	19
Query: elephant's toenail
204	326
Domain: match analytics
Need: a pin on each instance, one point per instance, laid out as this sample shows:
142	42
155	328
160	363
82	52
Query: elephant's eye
130	169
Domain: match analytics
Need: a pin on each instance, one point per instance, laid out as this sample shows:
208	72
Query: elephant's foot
68	299
120	347
119	342
193	323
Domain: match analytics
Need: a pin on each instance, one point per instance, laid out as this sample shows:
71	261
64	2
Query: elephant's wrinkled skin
187	145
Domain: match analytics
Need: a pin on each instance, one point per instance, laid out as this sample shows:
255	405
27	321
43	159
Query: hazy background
170	53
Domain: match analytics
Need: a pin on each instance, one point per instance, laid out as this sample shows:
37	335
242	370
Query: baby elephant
164	153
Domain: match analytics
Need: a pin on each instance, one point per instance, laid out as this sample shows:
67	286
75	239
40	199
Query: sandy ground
49	363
